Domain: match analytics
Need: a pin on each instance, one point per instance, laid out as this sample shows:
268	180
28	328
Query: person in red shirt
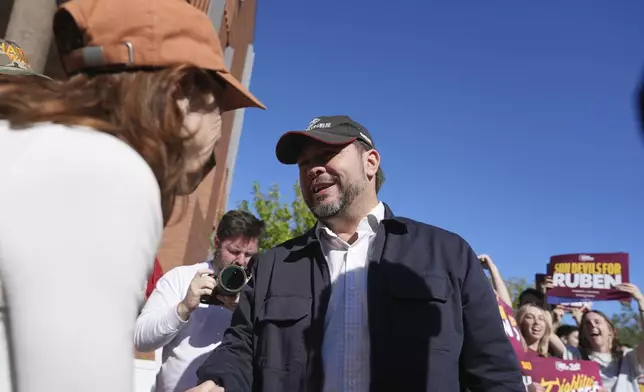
157	273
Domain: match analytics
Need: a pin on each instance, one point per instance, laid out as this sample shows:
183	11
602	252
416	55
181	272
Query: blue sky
509	122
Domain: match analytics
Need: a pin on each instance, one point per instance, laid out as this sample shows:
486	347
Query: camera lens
233	278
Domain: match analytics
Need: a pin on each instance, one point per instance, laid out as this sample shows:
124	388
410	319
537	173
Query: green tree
627	322
283	220
515	287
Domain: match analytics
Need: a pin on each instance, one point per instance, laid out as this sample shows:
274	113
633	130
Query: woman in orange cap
90	169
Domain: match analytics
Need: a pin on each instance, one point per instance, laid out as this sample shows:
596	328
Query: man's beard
322	209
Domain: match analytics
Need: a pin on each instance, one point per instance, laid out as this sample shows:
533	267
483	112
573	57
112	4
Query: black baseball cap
332	130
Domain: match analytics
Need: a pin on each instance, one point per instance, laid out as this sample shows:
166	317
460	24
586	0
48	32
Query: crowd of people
593	337
363	301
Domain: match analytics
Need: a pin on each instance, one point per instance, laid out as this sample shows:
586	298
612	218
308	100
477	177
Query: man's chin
325	210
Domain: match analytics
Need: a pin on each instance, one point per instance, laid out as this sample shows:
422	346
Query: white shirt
346	347
80	224
186	344
619	375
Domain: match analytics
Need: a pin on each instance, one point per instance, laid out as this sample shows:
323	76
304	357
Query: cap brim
289	146
236	96
20	72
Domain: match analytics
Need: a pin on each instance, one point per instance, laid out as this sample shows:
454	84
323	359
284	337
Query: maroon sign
589	277
511	328
557	375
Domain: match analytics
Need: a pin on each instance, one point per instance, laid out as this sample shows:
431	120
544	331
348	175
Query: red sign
557	375
511	328
589	277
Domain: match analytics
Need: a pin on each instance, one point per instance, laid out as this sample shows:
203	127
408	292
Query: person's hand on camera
207	386
228	301
201	284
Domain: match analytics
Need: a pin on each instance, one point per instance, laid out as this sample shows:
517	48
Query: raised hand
201	284
633	290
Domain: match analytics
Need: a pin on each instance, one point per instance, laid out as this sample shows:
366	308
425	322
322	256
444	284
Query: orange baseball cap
121	34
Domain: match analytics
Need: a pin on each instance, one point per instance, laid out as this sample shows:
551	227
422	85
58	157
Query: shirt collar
368	224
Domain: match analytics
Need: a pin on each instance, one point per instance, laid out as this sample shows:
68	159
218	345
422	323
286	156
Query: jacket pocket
280	328
270	379
422	312
430	287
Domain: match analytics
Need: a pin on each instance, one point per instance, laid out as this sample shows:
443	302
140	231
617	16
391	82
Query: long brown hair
136	106
584	343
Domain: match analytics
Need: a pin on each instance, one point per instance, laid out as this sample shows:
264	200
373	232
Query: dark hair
380	175
584	342
530	291
566	329
238	223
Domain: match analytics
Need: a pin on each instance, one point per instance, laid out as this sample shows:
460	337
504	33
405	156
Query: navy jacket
433	318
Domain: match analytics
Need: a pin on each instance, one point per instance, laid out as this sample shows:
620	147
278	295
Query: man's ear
372	163
216	243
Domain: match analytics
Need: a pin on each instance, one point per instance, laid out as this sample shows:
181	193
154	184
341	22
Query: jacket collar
310	238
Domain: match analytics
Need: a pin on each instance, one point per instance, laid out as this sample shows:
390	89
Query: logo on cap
11	55
316	124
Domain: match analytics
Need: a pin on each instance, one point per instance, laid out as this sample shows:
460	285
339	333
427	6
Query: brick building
185	240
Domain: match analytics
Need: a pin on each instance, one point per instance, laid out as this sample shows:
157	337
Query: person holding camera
191	305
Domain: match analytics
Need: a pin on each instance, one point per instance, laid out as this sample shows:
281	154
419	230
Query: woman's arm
558	348
497	280
640	309
635	292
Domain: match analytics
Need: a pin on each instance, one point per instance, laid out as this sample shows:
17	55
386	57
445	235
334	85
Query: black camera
230	281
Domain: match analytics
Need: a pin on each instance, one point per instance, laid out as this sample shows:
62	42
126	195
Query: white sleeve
80	227
159	322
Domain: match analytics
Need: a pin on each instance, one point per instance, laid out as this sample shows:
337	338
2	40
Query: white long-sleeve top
80	223
186	344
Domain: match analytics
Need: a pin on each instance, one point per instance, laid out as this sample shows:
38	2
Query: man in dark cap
365	301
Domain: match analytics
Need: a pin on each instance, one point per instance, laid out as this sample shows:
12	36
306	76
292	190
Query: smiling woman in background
90	169
599	342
